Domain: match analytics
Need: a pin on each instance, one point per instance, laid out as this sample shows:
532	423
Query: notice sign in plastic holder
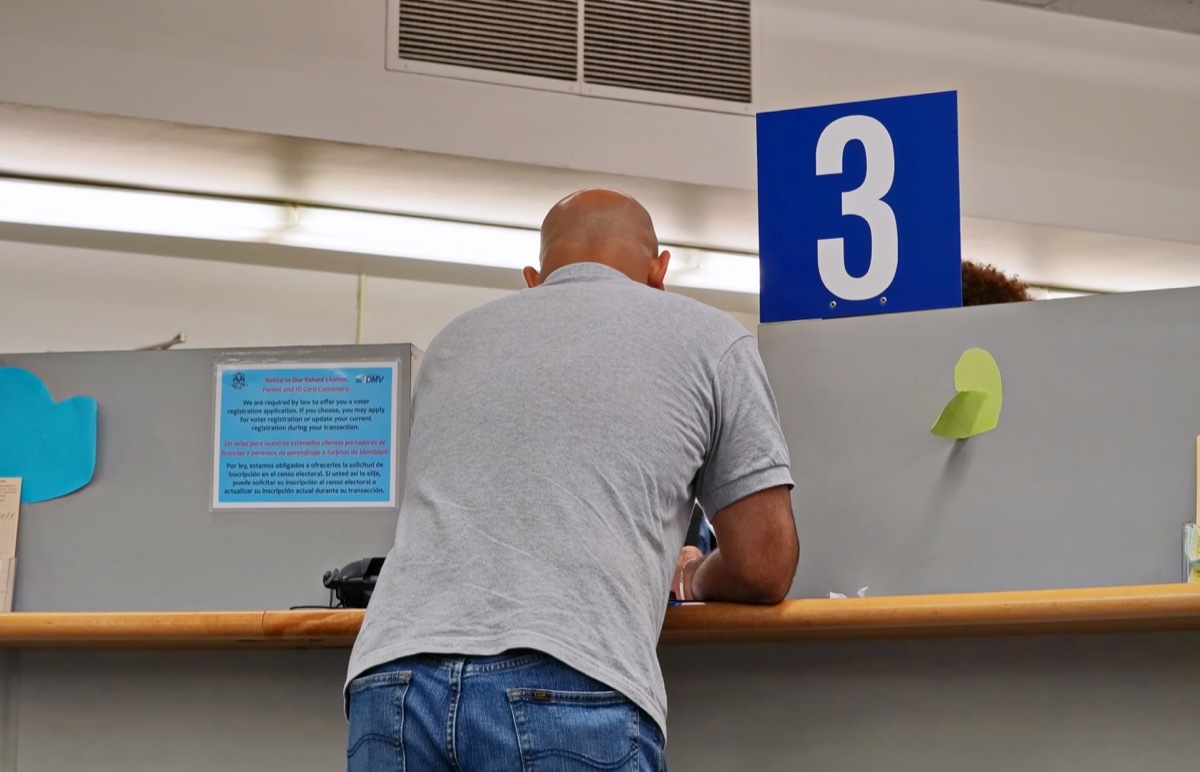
858	208
305	434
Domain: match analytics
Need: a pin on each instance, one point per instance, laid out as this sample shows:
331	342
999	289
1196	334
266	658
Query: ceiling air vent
691	53
691	47
525	37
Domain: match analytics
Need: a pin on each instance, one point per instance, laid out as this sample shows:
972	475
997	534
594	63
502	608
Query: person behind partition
985	284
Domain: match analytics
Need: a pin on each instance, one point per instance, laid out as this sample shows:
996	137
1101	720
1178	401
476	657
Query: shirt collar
581	272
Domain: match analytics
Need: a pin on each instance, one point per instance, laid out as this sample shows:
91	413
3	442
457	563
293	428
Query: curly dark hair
985	284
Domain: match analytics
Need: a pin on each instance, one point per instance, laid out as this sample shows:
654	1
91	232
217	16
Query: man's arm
756	556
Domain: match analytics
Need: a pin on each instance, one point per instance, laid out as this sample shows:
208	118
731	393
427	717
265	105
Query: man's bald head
600	226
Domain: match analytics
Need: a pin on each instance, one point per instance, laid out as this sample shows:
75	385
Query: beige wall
56	298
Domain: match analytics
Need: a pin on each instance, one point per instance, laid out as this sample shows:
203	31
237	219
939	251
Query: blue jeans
520	711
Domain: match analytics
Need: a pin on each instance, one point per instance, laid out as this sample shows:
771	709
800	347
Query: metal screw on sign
833	304
883	301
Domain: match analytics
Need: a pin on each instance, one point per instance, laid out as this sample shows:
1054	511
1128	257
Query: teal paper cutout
975	409
50	445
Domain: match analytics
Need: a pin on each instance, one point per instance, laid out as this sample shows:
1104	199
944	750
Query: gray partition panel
1108	703
141	536
1087	481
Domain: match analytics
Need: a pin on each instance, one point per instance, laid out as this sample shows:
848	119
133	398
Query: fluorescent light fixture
132	211
415	238
1056	293
33	202
702	269
493	246
1062	294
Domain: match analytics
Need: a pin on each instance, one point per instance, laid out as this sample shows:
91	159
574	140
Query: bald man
560	438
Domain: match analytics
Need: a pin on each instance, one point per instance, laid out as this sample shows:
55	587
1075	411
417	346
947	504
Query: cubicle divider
1087	481
143	535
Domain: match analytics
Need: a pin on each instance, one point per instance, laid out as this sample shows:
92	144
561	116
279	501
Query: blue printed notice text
304	435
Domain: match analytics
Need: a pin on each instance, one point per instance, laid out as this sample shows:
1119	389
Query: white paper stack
10	514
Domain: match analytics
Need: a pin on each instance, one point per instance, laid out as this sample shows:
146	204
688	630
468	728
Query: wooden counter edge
1102	609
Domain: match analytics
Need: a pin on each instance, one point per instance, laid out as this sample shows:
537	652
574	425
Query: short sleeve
747	452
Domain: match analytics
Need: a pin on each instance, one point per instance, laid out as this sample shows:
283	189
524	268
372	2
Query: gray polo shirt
559	438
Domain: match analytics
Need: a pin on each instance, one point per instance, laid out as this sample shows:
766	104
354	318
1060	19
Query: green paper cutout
975	409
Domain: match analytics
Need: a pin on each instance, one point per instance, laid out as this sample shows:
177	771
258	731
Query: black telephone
354	583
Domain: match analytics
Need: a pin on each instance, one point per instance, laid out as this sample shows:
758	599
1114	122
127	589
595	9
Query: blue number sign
858	209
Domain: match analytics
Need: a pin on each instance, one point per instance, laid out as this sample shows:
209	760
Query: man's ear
658	270
532	278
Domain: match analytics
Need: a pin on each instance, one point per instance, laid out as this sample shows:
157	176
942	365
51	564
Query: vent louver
525	37
683	48
694	47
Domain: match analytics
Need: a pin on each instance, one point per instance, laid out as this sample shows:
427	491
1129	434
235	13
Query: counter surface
1102	609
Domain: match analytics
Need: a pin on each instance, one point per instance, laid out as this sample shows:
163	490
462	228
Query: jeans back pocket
376	731
559	731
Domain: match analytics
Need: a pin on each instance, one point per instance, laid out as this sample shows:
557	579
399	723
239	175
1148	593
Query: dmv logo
365	378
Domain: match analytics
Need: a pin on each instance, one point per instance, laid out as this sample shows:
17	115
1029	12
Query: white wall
1065	121
55	298
65	299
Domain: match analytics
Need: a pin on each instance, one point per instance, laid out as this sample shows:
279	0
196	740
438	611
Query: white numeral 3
864	201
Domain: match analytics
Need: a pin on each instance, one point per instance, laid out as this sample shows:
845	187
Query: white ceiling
106	149
1176	15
